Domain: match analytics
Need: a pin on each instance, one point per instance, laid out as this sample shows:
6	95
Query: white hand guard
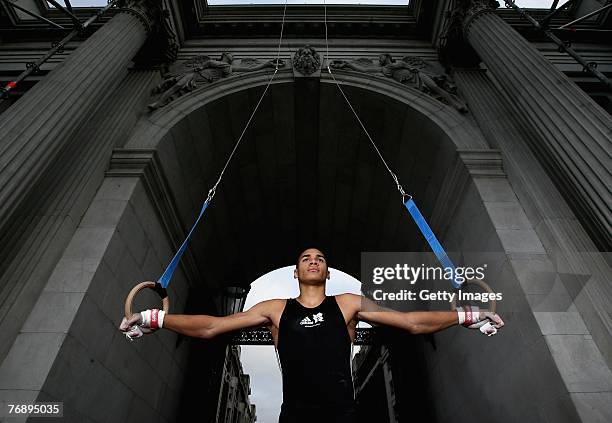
142	323
134	332
470	317
488	329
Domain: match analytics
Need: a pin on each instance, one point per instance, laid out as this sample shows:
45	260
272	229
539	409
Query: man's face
311	267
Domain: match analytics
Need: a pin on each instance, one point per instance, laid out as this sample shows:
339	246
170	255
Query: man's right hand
142	323
130	326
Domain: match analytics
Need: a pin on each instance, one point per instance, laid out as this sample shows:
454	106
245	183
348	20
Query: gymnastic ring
163	294
485	287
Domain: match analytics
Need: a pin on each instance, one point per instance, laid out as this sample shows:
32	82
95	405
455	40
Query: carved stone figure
201	70
410	70
306	60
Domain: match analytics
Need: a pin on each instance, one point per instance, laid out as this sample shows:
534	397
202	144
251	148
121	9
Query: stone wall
511	376
70	350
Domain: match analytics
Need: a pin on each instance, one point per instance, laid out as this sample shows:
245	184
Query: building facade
109	148
234	404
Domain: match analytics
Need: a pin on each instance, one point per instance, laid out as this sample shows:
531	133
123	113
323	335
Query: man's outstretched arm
420	322
199	326
415	322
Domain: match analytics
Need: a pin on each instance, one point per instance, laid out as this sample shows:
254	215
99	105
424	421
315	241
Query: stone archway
302	138
263	213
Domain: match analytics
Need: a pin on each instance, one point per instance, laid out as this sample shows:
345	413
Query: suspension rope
405	197
212	191
407	200
164	280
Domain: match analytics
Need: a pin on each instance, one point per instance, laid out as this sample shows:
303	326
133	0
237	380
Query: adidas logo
315	321
306	321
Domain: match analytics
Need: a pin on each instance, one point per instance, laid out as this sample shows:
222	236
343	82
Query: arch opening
305	175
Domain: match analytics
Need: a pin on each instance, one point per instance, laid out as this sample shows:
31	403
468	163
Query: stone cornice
256	20
305	20
483	163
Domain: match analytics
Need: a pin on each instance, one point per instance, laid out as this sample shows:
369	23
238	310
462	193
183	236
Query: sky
260	362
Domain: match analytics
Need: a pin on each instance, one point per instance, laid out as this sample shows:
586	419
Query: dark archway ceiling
305	174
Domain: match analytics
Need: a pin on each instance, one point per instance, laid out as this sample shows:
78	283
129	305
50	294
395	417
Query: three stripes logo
316	320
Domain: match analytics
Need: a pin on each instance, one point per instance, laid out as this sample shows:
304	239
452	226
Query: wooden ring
485	287
163	294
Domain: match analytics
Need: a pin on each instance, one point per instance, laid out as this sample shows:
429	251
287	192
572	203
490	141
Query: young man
313	335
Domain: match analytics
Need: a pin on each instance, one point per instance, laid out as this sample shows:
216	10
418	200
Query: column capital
469	10
147	11
454	49
162	43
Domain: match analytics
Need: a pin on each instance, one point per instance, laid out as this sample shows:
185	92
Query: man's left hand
490	322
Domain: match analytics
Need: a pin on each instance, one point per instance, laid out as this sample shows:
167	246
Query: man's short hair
308	248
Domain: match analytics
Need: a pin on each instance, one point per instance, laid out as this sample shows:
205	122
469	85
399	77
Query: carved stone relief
412	71
307	61
188	75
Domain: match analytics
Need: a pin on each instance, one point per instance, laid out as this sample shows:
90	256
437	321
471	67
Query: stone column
36	128
54	144
573	133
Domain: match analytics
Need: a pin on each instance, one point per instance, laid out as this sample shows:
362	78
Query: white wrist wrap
468	315
153	319
160	318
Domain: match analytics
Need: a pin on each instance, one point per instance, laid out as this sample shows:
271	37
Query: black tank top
314	349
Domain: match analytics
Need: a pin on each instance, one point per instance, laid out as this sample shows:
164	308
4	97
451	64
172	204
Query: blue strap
165	278
435	245
431	239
